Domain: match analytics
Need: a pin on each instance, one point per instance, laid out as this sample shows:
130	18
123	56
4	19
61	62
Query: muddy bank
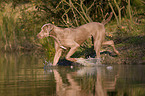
132	51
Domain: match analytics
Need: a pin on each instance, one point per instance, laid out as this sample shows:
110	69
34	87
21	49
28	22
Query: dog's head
45	30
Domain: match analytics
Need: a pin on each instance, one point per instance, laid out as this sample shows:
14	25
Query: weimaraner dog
73	37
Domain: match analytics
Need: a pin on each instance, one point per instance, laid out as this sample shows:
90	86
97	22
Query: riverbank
132	51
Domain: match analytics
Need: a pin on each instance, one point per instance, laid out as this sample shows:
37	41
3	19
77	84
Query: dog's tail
108	19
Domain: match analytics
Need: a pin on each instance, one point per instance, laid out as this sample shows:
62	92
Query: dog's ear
50	26
47	27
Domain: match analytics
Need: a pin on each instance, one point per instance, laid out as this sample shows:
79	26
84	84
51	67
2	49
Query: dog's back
81	33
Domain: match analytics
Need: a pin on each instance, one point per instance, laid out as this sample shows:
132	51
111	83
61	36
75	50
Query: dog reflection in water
74	89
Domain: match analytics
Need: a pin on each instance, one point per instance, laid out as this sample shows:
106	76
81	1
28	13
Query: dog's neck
56	30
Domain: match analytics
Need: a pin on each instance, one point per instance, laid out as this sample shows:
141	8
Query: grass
129	41
19	28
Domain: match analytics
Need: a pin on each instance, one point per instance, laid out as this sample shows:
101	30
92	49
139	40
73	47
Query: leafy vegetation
21	21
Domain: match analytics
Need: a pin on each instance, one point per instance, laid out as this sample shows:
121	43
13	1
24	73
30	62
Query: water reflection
25	75
86	81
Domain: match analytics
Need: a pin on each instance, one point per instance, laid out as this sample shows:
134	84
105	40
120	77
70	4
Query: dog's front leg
57	54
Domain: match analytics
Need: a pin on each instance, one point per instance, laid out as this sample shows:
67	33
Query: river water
25	75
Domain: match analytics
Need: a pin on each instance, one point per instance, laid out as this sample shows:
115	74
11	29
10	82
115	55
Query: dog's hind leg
111	43
97	46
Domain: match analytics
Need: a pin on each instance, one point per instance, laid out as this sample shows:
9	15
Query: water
25	75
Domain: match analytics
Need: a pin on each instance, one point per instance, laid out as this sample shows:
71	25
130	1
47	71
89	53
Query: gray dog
73	37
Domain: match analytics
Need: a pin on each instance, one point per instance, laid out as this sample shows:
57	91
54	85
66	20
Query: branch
66	11
122	8
77	10
113	12
106	15
90	6
89	19
108	19
143	2
59	4
75	17
119	11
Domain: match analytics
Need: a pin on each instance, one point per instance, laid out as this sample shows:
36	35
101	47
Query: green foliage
8	27
138	4
19	27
